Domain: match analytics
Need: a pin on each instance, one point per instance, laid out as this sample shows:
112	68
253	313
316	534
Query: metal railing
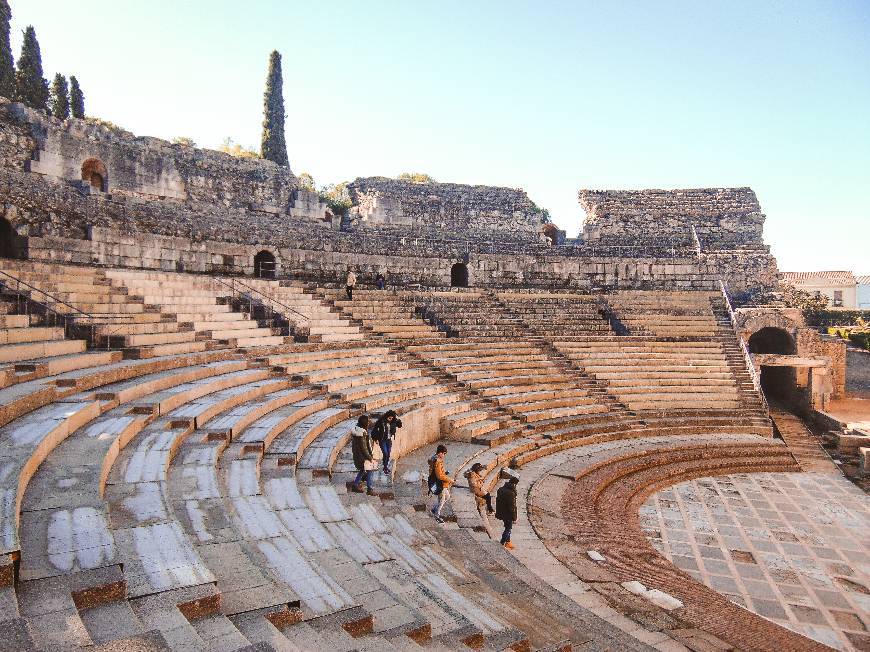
25	298
750	365
253	296
696	240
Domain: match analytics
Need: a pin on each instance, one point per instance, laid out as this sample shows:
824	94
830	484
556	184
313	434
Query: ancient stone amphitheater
181	369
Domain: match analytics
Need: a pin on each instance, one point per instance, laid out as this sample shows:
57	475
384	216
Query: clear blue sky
548	96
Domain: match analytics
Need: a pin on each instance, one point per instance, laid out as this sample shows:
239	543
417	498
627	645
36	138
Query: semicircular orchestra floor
792	547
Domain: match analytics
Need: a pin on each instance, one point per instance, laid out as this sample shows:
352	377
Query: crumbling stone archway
551	233
8	239
459	275
771	339
94	172
264	264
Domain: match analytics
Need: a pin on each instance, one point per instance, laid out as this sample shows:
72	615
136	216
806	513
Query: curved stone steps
608	487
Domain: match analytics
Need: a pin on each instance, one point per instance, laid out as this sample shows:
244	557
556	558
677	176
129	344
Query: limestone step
272	340
14	321
30	334
149	339
44	349
161	350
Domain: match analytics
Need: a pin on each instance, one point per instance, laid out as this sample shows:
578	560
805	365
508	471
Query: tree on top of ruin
416	177
229	146
273	146
31	88
59	97
76	98
7	64
306	182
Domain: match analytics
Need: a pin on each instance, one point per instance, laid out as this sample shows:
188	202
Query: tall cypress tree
59	97
7	65
273	146
76	98
31	87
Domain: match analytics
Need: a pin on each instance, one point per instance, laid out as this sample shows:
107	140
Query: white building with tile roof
840	287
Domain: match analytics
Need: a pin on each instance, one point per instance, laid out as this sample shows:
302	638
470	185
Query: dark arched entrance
264	265
95	174
459	275
8	240
772	340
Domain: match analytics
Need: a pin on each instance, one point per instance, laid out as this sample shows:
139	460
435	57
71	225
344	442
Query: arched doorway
772	340
95	174
264	265
551	233
459	275
779	383
8	240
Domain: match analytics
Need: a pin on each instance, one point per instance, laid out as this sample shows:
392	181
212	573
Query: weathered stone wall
148	168
724	218
326	264
445	209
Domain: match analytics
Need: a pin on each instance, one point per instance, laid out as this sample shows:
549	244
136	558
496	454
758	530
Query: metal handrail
750	365
250	290
56	313
696	240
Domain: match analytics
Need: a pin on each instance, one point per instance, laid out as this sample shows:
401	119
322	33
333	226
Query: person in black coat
363	456
506	506
384	432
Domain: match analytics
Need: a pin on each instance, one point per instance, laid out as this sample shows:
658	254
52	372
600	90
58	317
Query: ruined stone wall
444	209
724	218
810	343
148	168
322	262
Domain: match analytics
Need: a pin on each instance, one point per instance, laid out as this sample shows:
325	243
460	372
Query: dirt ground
853	410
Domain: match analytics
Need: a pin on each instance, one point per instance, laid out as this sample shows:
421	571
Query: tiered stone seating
665	314
198	302
649	374
109	315
29	350
199	501
309	316
370	378
557	315
472	314
388	313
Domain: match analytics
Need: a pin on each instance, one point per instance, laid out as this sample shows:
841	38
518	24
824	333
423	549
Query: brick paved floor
792	547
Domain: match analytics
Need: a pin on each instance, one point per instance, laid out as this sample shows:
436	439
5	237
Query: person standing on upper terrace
380	281
349	284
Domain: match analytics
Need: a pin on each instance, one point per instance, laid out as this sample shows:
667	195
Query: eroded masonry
181	370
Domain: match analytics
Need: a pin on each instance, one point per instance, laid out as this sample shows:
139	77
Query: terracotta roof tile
835	278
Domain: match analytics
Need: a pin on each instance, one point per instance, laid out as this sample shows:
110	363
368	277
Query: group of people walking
440	484
367	457
372	446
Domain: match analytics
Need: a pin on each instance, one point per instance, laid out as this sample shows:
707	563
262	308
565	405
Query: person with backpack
506	506
439	481
363	455
384	433
482	498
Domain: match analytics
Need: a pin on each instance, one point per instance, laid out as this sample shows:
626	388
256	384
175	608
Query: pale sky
549	97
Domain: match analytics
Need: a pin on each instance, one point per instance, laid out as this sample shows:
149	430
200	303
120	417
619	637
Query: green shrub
861	339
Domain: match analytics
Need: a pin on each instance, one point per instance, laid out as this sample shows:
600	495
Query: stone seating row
577	574
136	490
31	350
387	313
554	315
108	314
576	506
658	375
308	314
